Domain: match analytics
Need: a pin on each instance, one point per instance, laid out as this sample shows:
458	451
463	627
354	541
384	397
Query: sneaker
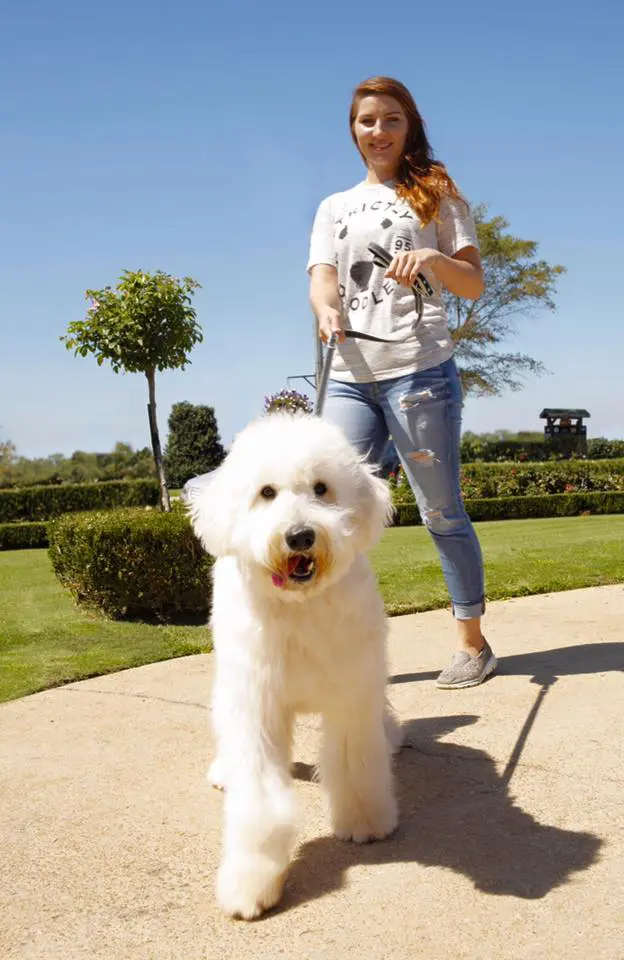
467	671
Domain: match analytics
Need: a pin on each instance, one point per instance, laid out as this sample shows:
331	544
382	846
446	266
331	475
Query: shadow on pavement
547	665
455	812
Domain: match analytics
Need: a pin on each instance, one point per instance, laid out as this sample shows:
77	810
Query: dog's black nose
300	538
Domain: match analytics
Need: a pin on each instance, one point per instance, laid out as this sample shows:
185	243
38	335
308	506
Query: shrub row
480	480
42	503
133	564
524	508
22	536
491	451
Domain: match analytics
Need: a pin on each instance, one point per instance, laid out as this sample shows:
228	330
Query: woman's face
380	129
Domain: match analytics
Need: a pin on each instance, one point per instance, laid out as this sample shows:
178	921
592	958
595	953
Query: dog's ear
209	503
375	509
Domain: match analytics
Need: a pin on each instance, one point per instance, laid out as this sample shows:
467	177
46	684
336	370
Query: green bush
194	445
41	503
534	479
525	508
491	451
488	480
531	448
22	536
132	564
599	448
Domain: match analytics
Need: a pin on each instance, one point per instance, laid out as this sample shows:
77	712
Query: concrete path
511	843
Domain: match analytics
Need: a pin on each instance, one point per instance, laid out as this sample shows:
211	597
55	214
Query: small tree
516	283
194	445
146	324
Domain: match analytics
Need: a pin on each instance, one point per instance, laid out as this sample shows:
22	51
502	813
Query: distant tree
146	324
516	283
126	463
8	457
123	463
8	452
194	445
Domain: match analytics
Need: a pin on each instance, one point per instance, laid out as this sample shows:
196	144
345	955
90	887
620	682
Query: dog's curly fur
298	627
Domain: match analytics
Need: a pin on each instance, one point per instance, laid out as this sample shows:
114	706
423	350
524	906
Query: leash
422	288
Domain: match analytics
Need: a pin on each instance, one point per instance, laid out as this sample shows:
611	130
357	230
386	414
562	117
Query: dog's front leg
356	770
259	810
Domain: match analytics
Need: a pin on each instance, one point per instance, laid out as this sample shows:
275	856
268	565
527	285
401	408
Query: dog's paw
248	887
367	826
215	775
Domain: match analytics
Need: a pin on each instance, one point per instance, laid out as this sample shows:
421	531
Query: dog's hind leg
356	772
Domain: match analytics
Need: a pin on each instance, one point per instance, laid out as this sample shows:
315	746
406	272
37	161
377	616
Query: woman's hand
407	265
325	300
330	321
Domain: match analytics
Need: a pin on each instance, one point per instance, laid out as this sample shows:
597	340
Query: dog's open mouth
301	568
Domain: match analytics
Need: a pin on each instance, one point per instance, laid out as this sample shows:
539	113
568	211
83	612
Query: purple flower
288	400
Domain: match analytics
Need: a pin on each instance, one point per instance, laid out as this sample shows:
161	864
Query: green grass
522	557
45	640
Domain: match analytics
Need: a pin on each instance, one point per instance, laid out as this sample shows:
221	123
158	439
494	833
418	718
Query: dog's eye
268	493
320	489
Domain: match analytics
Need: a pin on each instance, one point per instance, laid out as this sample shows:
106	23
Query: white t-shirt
344	225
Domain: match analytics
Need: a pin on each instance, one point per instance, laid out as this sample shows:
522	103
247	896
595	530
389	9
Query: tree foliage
147	323
194	445
516	284
122	463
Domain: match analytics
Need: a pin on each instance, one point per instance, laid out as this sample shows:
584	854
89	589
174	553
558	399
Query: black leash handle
383	258
422	287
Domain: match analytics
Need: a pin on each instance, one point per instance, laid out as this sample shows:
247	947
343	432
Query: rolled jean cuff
469	611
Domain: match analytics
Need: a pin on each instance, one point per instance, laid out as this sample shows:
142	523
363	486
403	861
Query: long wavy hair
422	180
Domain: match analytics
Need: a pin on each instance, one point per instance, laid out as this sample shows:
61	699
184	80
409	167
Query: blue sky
198	138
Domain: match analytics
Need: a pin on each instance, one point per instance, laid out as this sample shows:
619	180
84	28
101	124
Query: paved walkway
511	840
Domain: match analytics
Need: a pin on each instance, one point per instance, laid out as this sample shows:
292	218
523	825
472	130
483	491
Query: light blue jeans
422	413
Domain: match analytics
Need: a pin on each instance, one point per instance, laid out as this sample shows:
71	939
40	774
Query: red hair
421	179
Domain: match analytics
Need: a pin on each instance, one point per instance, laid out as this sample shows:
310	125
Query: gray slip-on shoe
467	671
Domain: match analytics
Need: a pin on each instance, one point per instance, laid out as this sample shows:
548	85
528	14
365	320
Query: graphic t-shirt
344	225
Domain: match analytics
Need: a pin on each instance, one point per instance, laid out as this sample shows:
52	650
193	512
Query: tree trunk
165	503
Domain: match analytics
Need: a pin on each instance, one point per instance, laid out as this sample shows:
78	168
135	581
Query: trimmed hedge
22	536
132	564
525	508
481	480
41	503
475	449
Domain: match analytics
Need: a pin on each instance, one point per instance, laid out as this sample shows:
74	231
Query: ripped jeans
422	413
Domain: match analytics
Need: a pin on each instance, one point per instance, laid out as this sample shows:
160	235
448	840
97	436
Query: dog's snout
300	538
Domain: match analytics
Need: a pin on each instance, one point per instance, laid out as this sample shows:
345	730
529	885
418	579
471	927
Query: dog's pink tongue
293	562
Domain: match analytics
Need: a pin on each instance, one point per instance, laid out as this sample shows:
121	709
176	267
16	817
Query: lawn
522	557
45	640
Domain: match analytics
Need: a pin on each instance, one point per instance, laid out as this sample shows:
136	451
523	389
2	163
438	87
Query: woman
409	389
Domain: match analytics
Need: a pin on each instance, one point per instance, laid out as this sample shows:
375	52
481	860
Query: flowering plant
289	401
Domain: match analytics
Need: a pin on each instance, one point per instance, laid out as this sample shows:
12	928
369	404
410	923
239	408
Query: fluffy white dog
299	627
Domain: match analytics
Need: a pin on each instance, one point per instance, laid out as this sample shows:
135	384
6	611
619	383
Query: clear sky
199	137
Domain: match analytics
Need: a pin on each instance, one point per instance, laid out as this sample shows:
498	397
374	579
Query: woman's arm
462	273
325	300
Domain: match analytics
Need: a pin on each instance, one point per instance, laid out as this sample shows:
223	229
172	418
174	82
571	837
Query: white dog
299	627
